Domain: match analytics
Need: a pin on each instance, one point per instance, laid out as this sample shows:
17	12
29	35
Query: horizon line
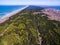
28	5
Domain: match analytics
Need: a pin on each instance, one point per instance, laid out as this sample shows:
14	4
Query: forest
23	29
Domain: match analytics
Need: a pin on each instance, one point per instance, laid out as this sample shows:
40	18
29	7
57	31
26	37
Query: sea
53	7
4	9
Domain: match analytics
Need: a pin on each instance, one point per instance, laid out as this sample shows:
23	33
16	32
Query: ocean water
8	9
53	7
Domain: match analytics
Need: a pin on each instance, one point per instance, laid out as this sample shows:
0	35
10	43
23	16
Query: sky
29	2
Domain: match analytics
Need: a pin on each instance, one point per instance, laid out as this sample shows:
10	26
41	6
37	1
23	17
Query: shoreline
6	17
14	12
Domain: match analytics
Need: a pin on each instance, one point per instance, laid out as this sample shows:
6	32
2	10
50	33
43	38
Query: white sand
6	17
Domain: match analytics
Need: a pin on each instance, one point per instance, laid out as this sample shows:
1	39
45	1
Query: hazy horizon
30	2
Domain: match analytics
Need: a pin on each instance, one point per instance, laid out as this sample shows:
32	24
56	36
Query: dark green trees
21	29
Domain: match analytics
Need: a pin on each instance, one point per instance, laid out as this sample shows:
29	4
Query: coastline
6	17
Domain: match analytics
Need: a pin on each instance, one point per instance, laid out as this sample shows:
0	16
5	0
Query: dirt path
39	38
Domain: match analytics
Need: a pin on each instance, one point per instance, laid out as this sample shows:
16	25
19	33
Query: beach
6	17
